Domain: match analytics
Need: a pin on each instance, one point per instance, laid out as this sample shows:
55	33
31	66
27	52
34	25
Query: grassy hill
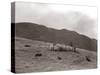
39	32
36	56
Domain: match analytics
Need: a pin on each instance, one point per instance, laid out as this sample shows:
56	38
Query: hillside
35	56
39	32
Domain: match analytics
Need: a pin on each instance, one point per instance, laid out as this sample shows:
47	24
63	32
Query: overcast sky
82	19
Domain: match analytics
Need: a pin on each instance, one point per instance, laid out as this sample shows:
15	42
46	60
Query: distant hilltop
42	33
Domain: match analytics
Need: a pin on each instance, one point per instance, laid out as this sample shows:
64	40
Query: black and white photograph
49	37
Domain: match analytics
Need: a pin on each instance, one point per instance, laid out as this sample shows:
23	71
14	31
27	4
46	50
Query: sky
82	19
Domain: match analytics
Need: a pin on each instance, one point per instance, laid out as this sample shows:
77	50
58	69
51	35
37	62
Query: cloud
77	18
85	25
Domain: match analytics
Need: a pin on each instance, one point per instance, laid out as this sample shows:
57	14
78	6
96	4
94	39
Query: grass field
36	56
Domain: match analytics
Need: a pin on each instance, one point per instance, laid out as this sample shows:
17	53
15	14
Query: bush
38	55
27	45
59	58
